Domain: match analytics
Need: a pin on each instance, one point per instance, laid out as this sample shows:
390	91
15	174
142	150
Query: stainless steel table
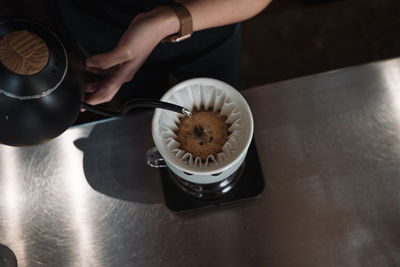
330	151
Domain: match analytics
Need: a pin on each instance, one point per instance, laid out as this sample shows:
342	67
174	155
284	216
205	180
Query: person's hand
120	65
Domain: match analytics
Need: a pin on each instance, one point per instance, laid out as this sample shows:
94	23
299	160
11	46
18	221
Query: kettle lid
33	60
23	52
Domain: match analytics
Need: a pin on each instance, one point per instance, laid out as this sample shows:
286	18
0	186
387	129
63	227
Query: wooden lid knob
23	52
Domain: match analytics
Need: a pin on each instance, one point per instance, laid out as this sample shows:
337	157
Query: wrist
165	20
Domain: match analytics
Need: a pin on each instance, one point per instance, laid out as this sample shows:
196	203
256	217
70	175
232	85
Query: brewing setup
232	175
41	94
327	145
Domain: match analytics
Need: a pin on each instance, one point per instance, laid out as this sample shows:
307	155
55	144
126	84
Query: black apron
98	25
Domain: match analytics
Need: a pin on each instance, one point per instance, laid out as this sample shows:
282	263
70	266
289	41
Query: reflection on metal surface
11	195
80	205
390	78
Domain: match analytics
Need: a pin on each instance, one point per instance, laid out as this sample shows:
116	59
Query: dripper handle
154	158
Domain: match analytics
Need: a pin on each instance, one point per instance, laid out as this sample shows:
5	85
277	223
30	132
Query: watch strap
185	21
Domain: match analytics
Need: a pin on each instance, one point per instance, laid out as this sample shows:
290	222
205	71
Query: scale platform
249	185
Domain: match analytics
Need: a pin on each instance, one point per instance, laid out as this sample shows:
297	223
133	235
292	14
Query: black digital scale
249	185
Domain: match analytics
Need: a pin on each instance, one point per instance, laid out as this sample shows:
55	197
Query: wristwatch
185	20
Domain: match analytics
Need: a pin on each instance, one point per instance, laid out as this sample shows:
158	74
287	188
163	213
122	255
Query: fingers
91	87
105	61
97	71
104	91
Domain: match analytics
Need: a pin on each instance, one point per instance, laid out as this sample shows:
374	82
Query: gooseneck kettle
40	94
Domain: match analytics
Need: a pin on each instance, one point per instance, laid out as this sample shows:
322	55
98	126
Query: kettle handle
100	111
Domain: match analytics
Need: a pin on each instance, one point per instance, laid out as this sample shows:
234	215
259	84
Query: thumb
104	61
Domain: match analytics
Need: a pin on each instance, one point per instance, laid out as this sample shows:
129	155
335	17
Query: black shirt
98	26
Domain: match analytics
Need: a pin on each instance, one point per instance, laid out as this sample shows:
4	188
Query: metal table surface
330	151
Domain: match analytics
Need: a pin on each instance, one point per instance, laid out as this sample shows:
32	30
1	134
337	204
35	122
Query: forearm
213	13
207	14
148	29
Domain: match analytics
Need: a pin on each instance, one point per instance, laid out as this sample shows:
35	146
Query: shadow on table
114	160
